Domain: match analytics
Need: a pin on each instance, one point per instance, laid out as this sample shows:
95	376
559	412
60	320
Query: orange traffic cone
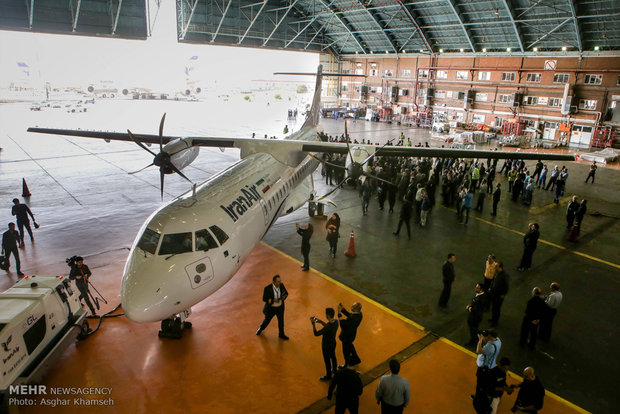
25	191
351	250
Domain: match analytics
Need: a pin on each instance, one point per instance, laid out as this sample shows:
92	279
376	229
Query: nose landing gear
173	327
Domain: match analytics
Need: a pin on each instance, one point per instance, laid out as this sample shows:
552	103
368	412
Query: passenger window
219	234
176	243
204	241
148	241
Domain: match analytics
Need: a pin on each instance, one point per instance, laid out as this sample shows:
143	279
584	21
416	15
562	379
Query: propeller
161	160
356	169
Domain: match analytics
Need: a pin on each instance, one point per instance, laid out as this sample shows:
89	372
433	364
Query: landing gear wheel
173	328
84	330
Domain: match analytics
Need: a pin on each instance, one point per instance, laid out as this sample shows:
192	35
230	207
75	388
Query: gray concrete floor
87	204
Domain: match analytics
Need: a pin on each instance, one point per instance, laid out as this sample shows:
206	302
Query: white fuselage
191	247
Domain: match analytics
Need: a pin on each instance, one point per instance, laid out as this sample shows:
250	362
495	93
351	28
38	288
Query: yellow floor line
557	246
355	292
420	327
519	378
541	209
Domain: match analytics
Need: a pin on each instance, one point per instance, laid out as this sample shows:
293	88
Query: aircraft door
199	272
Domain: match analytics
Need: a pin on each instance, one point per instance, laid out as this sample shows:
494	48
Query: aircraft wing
291	152
393	151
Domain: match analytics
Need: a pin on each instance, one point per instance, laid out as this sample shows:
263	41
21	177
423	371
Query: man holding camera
81	273
328	342
274	296
348	331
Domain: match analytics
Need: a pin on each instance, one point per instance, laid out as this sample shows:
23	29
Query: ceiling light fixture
484	50
597	48
535	49
440	50
462	50
508	49
496	12
564	48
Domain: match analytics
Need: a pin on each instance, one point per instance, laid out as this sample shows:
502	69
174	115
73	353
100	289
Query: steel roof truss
280	22
408	39
76	14
465	29
412	17
319	31
253	21
344	23
514	24
117	14
221	21
549	33
189	19
301	31
375	18
575	24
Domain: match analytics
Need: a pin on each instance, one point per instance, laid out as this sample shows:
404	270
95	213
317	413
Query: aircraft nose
143	299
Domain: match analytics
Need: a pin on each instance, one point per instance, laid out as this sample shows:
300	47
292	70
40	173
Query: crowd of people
411	185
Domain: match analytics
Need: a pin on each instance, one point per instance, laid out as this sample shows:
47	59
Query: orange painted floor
221	366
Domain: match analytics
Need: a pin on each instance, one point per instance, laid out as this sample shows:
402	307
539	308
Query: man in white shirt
393	391
274	296
553	301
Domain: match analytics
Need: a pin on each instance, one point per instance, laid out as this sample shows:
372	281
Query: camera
71	260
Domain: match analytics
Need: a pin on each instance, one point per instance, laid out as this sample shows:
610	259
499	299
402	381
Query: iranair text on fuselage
246	198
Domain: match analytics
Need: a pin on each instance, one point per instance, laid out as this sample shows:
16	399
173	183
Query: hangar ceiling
342	27
114	18
400	26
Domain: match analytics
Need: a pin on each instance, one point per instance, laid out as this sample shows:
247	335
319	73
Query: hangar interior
548	69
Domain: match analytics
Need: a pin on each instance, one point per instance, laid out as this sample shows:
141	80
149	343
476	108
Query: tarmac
88	205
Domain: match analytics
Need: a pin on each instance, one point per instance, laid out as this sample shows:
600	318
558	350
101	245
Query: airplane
194	244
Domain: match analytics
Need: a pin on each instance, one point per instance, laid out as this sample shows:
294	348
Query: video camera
71	261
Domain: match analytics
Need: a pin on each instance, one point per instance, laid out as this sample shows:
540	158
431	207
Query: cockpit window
176	243
148	241
204	240
219	233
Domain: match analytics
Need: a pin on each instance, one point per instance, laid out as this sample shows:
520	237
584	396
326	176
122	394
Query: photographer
328	342
80	273
305	233
349	321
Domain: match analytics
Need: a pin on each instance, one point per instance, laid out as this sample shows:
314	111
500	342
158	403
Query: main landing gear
173	327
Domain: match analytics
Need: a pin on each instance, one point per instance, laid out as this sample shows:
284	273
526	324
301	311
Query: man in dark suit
534	312
348	331
349	387
305	233
496	196
499	289
448	277
475	310
328	342
274	296
10	240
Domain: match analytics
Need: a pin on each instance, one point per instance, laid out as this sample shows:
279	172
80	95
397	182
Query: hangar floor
87	205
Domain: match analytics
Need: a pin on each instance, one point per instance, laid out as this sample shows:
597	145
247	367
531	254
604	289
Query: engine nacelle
182	152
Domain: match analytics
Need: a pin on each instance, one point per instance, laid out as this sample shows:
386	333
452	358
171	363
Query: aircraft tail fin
313	116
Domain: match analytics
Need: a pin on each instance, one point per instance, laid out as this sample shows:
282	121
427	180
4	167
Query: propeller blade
161	181
161	132
176	170
141	145
373	154
374	177
342	167
142	169
330	192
